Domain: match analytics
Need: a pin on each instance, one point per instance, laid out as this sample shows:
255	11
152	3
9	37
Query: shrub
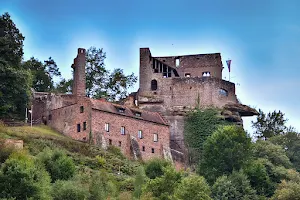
101	161
22	178
234	186
69	190
58	164
154	167
193	188
115	150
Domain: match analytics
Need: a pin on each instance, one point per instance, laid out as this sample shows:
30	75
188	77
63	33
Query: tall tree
43	73
13	95
11	41
96	74
269	125
225	150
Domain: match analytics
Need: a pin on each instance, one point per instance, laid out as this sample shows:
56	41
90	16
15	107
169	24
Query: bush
58	164
163	187
193	188
154	167
287	190
115	150
22	178
69	190
234	186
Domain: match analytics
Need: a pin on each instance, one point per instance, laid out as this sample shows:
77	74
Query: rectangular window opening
177	62
107	127
155	137
143	148
140	134
81	109
110	142
120	143
78	127
122	130
84	126
152	150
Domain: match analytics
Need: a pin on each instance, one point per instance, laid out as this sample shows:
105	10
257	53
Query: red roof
126	111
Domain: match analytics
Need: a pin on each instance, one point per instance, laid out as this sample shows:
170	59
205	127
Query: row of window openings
79	126
120	144
140	133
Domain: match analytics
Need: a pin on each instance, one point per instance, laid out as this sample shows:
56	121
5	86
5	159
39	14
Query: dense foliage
227	149
200	124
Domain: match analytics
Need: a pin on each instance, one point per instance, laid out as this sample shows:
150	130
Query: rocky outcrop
243	110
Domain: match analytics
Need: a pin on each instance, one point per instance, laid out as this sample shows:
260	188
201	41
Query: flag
228	64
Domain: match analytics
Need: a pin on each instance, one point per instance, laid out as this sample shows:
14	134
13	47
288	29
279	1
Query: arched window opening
223	92
154	85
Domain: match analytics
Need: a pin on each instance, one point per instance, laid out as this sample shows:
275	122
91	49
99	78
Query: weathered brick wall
132	126
44	102
196	64
65	120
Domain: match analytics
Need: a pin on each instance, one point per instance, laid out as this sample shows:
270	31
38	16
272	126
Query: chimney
79	74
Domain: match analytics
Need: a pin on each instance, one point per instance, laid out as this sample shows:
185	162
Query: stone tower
79	74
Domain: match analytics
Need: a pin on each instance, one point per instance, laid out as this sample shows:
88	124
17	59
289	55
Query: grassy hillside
85	156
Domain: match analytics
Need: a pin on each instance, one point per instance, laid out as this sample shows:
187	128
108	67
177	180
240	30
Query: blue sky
262	37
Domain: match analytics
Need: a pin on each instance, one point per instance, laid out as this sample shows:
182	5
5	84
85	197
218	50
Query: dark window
121	110
152	150
120	143
50	117
223	92
84	125
110	142
81	109
78	127
143	148
122	130
154	85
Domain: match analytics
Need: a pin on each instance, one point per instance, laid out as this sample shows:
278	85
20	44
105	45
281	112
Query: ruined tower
79	74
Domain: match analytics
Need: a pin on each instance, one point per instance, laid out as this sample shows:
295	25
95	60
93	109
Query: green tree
290	141
269	125
234	186
14	96
58	164
274	153
163	187
193	188
22	178
259	178
64	86
287	190
102	186
227	149
139	181
199	124
11	42
154	167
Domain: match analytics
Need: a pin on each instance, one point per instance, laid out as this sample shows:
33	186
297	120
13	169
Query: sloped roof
129	112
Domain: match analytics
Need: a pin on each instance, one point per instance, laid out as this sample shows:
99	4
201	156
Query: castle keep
174	85
151	121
